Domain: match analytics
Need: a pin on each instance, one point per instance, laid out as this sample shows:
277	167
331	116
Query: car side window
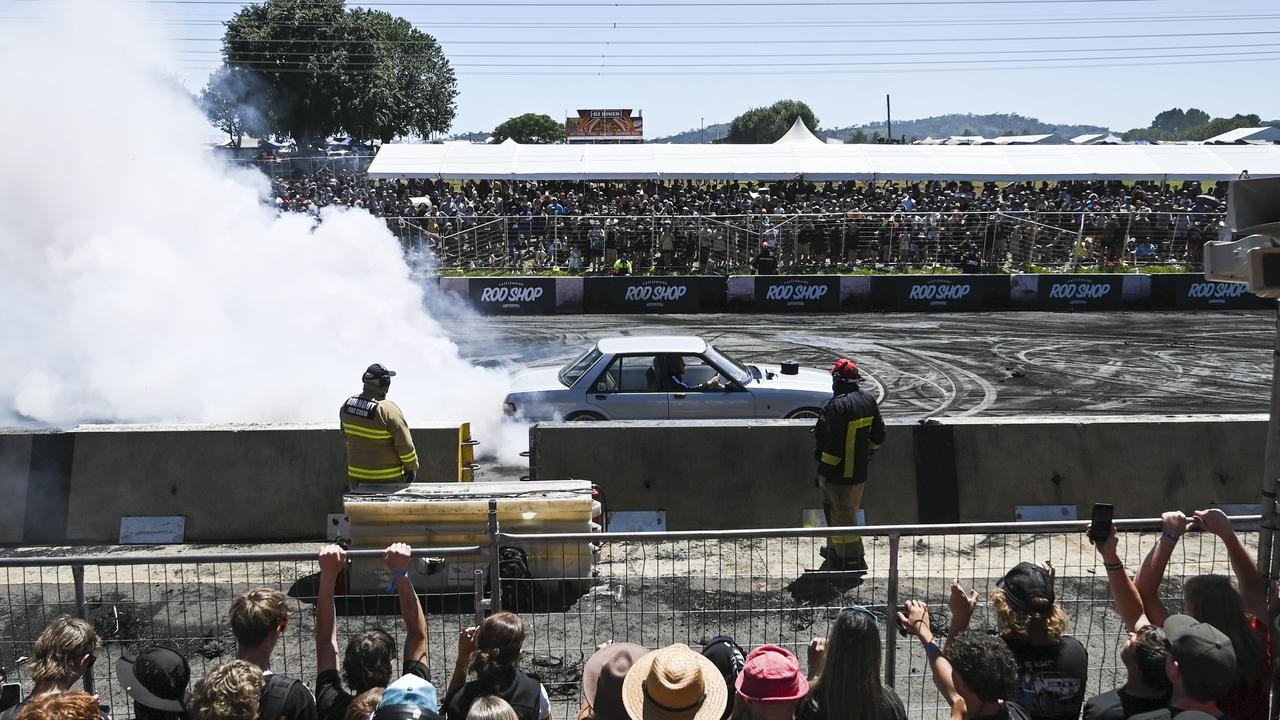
631	373
697	371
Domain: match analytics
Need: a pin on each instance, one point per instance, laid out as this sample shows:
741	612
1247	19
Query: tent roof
798	135
820	162
1254	134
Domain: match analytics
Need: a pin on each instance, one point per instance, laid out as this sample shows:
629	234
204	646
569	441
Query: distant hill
942	126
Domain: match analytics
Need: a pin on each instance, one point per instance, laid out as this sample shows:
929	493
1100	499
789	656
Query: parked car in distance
660	378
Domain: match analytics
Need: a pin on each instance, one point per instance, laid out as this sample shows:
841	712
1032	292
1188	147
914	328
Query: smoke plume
144	280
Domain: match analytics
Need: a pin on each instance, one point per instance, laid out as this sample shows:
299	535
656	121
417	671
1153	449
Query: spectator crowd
1210	660
705	227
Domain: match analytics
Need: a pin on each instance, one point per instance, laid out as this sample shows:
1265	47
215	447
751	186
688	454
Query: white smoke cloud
143	280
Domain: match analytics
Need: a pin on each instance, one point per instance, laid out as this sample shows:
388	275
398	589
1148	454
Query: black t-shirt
811	708
1051	680
299	703
1008	711
1172	712
332	700
1118	705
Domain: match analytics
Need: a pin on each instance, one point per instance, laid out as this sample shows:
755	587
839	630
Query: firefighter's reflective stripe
409	457
372	474
829	459
365	432
848	540
851	443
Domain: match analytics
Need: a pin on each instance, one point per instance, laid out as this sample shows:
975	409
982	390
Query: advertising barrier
797	293
1080	292
655	294
513	295
1185	291
916	293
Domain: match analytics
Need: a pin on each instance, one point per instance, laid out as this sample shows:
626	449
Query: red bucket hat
772	674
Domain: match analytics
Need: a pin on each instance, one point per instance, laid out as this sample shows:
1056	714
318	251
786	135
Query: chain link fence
653	589
809	243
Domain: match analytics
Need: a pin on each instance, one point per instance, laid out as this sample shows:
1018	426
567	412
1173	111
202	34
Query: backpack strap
274	696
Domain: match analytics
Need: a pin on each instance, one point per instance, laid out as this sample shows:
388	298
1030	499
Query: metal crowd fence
821	242
757	586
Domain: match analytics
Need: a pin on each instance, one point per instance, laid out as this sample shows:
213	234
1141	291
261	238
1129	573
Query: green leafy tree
767	124
530	128
229	100
325	69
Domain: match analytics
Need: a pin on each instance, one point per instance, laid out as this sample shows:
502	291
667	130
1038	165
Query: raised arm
962	604
332	560
1151	574
466	647
1252	587
916	620
398	556
1123	591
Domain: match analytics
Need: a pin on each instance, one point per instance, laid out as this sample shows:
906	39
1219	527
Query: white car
660	378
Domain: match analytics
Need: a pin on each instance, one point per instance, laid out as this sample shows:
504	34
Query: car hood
806	379
537	380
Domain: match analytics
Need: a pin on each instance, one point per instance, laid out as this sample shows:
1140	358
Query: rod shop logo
939	292
516	295
655	293
1080	291
796	292
1216	292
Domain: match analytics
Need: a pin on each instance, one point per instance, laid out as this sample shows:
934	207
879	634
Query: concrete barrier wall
231	483
545	295
726	474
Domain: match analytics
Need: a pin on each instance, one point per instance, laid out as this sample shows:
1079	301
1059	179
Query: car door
630	388
727	401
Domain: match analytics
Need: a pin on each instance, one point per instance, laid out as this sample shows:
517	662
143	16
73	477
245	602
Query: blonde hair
60	649
1043	625
363	705
491	707
255	613
230	692
62	706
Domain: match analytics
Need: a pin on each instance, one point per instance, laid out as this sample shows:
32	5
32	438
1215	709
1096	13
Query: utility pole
888	119
702	130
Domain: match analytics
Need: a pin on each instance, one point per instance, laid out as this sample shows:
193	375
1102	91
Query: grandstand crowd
687	226
1210	660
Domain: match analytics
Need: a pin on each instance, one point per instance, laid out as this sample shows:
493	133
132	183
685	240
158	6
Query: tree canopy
767	124
530	128
320	69
1193	124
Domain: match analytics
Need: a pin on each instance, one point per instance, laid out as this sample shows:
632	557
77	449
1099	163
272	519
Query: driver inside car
675	370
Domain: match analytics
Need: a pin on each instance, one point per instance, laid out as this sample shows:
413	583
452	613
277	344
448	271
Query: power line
668	3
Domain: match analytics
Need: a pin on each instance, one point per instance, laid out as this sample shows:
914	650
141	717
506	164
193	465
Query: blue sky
1108	62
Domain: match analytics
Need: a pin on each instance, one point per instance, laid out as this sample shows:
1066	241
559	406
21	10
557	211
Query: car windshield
733	368
574	370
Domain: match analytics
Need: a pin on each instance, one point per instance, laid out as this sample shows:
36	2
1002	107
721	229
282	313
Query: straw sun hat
674	683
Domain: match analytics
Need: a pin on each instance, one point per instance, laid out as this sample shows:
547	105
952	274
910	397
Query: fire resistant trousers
841	503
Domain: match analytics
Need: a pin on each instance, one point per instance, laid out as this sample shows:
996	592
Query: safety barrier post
478	589
890	619
495	573
82	612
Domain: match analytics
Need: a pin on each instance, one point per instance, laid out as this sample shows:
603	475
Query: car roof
652	344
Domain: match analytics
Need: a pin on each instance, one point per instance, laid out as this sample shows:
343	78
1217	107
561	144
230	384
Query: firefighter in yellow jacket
379	447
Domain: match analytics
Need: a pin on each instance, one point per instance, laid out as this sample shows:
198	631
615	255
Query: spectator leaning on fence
976	673
231	691
492	652
1052	667
844	670
1211	599
1146	686
258	619
63	706
367	662
64	652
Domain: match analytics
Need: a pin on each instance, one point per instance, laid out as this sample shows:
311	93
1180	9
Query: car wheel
804	414
584	417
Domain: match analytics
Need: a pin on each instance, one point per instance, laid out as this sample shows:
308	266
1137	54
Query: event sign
811	293
1081	292
514	296
1194	292
941	292
604	125
674	294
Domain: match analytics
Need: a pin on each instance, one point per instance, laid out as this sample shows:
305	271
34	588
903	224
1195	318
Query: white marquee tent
799	153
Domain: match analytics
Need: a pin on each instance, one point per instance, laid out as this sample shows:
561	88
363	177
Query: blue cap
408	697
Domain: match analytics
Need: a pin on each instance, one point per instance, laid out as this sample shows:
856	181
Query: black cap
727	656
156	677
376	372
1026	583
1203	653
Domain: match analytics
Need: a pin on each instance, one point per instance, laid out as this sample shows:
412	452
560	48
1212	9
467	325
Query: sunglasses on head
862	610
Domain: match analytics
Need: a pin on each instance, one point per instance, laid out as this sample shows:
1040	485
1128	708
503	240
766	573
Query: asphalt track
961	364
